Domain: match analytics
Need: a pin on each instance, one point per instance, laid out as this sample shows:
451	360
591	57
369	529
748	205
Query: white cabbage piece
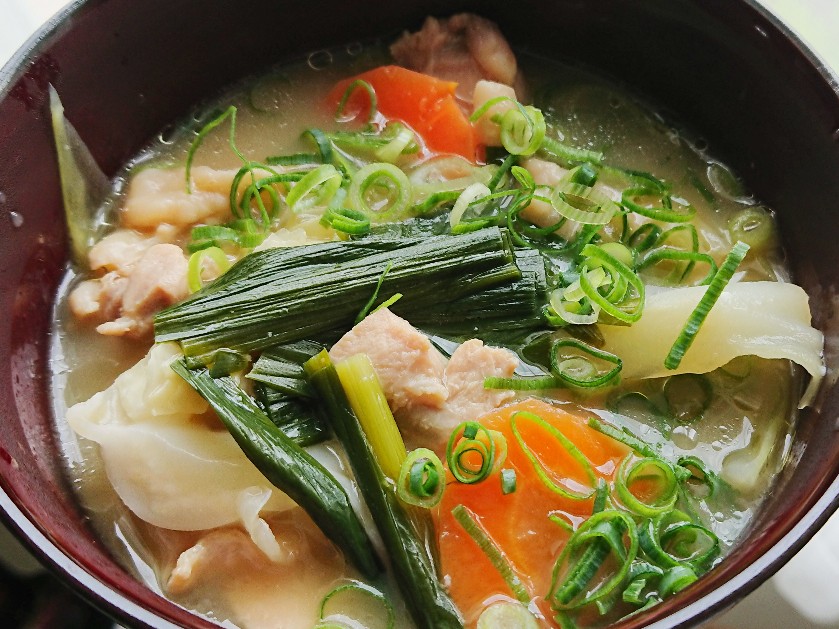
166	464
765	319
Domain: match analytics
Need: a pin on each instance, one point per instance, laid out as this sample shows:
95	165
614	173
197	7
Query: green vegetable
344	599
286	465
471	440
368	402
282	391
649	470
381	192
507	615
422	479
609	532
633	200
557	151
268	297
508	481
465	518
195	266
697	317
545	475
754	226
413	568
580	365
83	184
371	94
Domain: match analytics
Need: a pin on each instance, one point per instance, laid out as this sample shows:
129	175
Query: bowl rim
112	601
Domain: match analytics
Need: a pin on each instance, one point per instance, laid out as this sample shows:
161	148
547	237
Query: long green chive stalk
286	465
269	296
413	568
367	399
281	389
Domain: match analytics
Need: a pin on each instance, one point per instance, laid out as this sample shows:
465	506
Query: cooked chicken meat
429	395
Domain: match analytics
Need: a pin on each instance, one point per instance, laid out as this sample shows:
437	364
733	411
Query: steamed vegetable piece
268	297
766	319
425	103
83	184
286	465
631	542
364	392
413	568
556	482
282	390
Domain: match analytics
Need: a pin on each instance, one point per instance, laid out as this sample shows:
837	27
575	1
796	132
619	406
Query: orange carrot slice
423	102
519	523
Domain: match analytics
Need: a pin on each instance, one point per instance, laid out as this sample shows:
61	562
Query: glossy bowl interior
125	69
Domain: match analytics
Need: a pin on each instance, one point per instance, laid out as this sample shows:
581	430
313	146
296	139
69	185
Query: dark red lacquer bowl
125	68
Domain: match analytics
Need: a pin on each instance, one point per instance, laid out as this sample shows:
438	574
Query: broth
742	434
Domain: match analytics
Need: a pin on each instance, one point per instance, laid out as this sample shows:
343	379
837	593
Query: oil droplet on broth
320	60
16	218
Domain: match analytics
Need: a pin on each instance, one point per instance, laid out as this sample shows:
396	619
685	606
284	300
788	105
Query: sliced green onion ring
333	613
645	237
522	127
351	88
471	440
673	539
317	187
582	204
397	192
575	312
671	254
347	220
649	470
578	369
609	532
675	580
195	266
522	130
469	196
755	226
543	474
683	213
422	479
507	615
626	307
391	151
508	481
699	474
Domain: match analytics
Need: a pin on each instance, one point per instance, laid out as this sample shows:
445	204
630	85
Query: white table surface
804	593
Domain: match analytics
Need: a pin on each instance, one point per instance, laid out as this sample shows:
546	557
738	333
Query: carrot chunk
423	102
520	523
